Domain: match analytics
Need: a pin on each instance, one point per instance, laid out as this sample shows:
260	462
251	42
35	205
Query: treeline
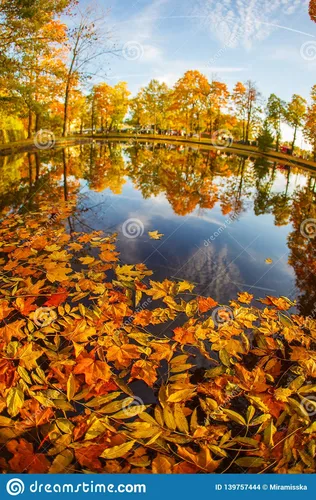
47	66
196	105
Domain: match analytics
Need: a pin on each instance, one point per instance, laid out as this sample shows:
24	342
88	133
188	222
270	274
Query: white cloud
174	70
240	23
151	54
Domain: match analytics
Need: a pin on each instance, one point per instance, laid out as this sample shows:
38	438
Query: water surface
221	215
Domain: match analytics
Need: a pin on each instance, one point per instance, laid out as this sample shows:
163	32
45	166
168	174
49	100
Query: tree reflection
303	255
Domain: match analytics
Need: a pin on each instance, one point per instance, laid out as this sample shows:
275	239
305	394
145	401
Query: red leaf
57	298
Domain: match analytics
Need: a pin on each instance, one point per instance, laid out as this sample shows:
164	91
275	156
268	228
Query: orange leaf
92	369
24	459
206	303
184	336
57	298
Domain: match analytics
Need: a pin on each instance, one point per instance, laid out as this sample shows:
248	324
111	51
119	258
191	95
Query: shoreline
28	145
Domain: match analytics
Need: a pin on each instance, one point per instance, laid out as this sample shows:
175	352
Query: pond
229	222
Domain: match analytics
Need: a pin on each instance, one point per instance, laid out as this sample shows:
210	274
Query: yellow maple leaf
245	297
154	235
57	272
52	248
28	354
87	260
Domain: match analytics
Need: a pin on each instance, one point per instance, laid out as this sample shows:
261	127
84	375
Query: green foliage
276	112
11	129
265	139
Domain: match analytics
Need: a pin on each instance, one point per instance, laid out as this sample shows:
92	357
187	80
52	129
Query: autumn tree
295	113
87	41
252	109
275	115
40	74
312	10
151	106
31	56
190	99
217	99
104	104
22	20
310	122
239	100
120	103
138	114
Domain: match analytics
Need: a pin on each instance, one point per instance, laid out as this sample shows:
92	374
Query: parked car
286	150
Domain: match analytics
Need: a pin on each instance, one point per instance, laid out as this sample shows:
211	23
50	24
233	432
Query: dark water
221	215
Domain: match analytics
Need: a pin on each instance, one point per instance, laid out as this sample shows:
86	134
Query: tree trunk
66	105
65	175
294	139
248	121
30	125
92	116
37	122
29	157
38	166
277	143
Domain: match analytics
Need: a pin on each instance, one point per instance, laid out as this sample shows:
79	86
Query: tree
109	105
239	100
265	139
87	41
312	10
216	100
154	99
251	97
310	122
190	99
120	103
21	20
138	116
104	104
295	113
246	99
40	74
276	112
33	67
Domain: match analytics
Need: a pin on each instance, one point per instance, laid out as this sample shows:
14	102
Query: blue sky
272	42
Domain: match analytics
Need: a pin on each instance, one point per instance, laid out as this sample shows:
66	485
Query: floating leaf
154	235
118	451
